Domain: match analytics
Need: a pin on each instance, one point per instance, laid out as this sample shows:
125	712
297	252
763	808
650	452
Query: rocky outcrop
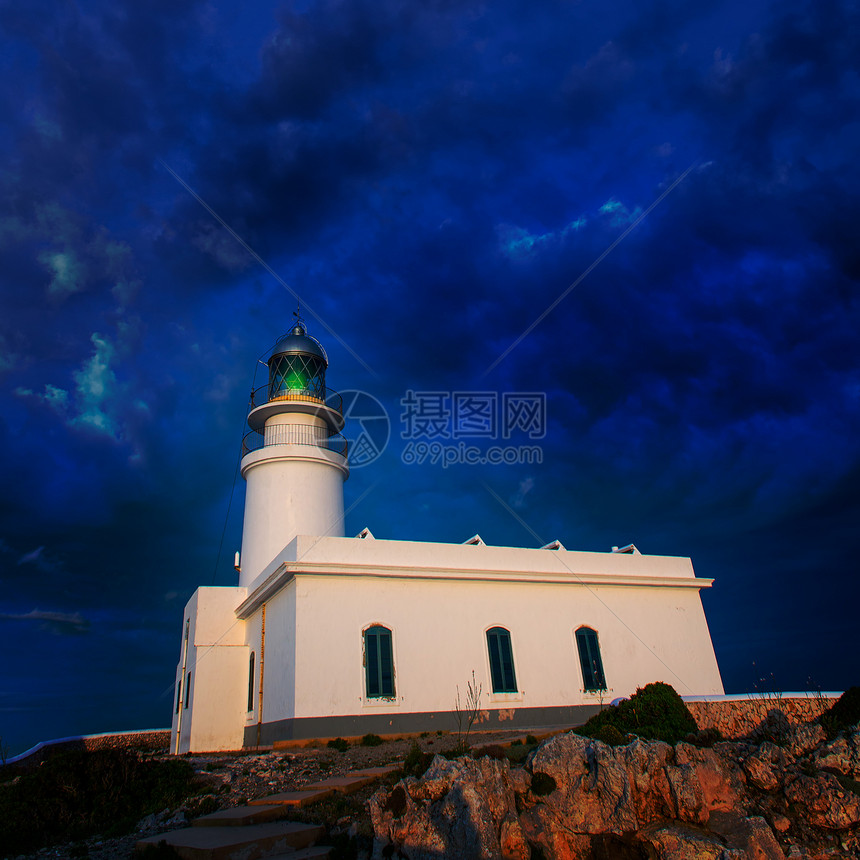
578	798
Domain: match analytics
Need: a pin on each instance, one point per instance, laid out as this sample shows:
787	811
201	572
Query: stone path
256	830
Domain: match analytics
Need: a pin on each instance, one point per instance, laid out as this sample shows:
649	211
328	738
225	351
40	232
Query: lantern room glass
296	374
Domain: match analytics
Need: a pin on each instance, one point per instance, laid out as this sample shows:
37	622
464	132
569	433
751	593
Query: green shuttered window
501	660
378	663
589	659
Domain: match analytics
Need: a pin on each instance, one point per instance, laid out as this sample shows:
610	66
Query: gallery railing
294	434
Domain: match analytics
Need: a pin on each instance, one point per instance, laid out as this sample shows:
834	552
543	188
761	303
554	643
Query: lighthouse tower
294	458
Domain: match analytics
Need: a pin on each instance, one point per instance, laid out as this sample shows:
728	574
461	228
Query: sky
645	212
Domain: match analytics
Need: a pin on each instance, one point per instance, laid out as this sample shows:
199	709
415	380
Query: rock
680	842
512	841
580	799
828	805
780	823
750	836
841	754
804	738
764	767
458	809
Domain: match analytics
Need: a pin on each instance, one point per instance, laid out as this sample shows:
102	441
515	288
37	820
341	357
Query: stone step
240	816
236	843
342	784
315	852
294	798
377	771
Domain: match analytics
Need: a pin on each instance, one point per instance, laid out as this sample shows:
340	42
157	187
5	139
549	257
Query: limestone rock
457	810
828	805
841	755
680	842
804	738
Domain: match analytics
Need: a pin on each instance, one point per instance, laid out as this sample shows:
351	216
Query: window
251	683
589	659
501	660
187	689
378	663
178	693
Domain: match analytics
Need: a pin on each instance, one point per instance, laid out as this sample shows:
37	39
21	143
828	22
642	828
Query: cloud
69	274
58	623
95	388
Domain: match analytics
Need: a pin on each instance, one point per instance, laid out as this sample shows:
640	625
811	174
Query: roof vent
556	544
475	540
630	549
365	533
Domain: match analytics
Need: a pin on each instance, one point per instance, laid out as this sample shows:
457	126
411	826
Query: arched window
378	662
251	683
589	659
501	660
187	689
178	693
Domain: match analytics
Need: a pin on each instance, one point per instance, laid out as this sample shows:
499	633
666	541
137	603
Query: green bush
843	713
542	784
77	794
609	734
338	744
371	740
654	711
531	740
416	761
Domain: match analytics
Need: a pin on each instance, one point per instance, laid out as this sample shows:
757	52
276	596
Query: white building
330	636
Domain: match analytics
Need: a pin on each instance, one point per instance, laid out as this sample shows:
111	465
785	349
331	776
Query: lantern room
297	366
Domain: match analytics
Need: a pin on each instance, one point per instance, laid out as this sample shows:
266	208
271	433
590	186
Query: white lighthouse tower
294	458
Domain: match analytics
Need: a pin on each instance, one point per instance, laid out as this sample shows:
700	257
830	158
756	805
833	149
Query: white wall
438	630
217	660
291	489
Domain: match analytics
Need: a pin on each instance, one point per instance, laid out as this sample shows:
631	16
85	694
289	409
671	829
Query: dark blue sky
430	178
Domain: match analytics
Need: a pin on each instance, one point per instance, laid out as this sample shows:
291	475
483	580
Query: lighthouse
326	635
294	458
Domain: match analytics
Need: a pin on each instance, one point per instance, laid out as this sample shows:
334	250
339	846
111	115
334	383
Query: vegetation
371	740
338	744
77	794
843	713
542	784
416	761
655	712
466	713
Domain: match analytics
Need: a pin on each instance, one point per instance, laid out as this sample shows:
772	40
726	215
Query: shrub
654	711
338	744
542	784
531	740
491	751
77	794
705	737
416	761
842	714
609	734
371	740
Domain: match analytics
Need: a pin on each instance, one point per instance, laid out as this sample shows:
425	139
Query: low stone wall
735	718
150	739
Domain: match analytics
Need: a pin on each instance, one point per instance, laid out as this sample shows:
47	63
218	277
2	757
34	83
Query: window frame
494	637
583	636
377	633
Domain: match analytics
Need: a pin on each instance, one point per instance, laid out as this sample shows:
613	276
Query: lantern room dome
299	341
